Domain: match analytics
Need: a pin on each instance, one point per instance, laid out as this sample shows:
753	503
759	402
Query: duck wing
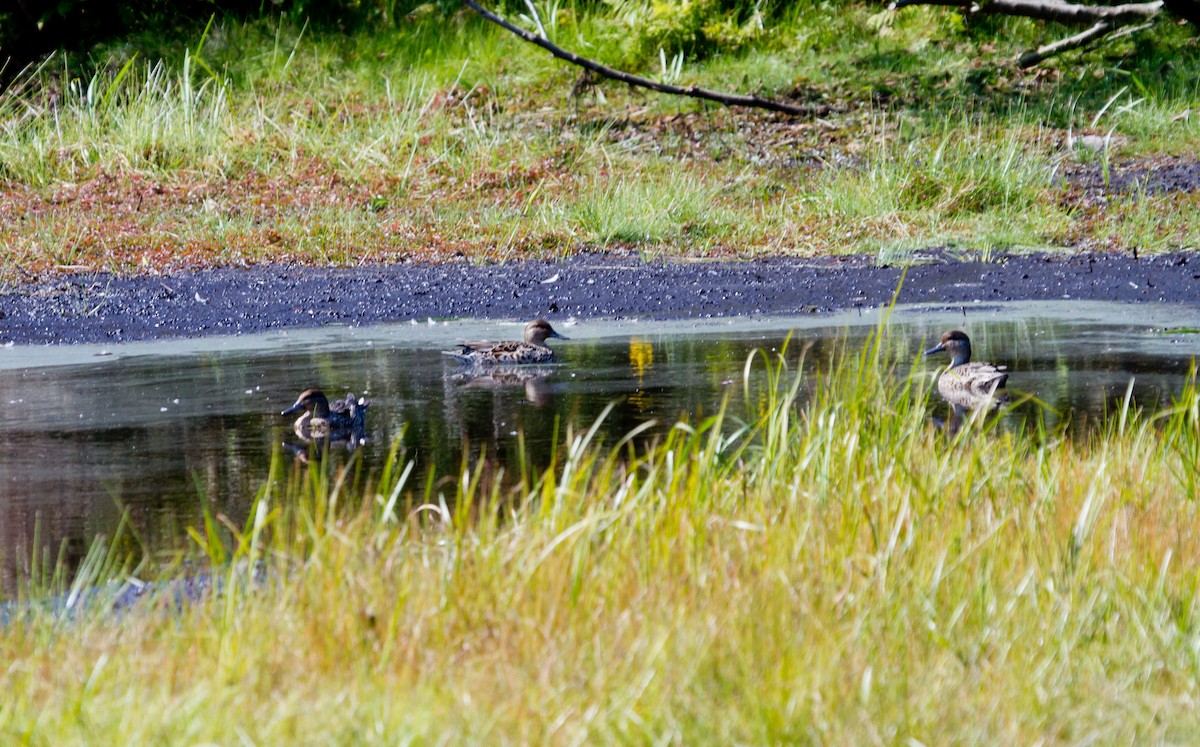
481	346
348	415
343	406
507	352
986	377
474	350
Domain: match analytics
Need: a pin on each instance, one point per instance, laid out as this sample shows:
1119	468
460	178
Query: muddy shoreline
100	308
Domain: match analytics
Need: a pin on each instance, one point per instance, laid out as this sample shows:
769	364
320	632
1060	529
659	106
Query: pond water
149	428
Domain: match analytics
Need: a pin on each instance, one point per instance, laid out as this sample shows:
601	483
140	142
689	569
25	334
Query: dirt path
102	308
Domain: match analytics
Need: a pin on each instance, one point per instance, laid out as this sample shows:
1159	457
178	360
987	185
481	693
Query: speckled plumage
341	419
530	351
965	382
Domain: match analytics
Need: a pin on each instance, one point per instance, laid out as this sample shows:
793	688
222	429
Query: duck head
312	401
957	344
539	330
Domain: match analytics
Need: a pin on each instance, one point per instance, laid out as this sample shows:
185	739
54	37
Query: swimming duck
510	352
340	420
963	382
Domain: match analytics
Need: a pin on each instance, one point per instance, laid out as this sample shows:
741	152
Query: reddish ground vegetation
128	222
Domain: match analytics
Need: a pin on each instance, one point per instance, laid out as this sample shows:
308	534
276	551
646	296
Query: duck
965	382
531	351
339	420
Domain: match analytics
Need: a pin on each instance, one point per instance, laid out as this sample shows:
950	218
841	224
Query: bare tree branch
1072	42
1051	10
728	99
1029	59
1105	19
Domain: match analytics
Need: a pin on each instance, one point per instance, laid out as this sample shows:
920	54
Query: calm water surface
149	429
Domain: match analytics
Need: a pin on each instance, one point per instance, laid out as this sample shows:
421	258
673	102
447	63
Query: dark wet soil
104	308
1156	176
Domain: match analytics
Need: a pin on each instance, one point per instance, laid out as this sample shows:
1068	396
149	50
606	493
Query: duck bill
939	348
294	408
560	337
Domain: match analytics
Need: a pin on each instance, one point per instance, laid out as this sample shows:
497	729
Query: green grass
643	210
440	136
837	573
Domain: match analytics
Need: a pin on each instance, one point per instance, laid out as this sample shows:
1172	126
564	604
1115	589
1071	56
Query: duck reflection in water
324	423
482	405
532	378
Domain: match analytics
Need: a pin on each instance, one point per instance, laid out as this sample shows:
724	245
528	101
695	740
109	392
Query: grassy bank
844	573
443	137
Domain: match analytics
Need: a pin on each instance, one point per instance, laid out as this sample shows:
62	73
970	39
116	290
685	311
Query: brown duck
966	382
531	350
340	420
